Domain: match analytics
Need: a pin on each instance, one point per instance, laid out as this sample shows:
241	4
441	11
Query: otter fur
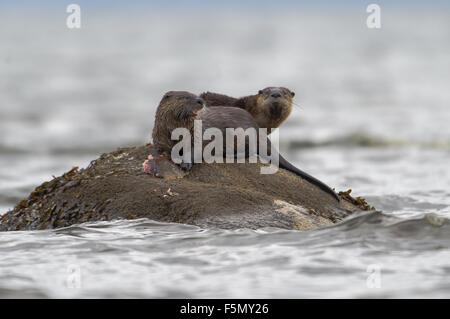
179	109
270	107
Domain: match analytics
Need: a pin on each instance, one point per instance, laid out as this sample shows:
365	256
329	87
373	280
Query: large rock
115	186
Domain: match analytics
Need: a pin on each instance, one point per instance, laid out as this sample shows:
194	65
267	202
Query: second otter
179	109
270	107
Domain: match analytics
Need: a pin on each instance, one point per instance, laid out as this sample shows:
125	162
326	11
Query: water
374	117
148	259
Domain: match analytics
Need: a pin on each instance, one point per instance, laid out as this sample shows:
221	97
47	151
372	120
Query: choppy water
148	259
374	116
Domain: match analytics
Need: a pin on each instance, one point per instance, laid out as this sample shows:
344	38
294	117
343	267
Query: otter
270	107
180	109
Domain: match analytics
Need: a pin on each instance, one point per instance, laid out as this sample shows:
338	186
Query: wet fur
173	112
232	117
260	106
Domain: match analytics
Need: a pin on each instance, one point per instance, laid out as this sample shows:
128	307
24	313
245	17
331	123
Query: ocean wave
429	231
378	229
367	140
153	259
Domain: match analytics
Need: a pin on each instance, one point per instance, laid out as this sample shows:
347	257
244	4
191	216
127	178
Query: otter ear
293	94
260	92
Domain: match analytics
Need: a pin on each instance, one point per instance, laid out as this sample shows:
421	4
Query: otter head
177	109
276	102
183	106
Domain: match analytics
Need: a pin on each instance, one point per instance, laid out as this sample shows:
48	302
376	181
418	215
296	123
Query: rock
115	186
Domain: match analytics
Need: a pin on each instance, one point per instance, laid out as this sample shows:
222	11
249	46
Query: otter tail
288	166
283	163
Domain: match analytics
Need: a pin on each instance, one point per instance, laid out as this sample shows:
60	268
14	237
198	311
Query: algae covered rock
115	186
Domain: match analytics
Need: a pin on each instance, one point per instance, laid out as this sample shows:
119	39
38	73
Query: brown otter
179	109
270	107
176	109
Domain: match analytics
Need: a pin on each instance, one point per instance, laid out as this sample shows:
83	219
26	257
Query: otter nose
275	95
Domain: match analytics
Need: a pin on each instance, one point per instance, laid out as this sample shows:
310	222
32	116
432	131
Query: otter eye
200	102
260	92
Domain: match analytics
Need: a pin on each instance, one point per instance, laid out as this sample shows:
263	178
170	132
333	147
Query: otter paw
186	166
151	167
161	166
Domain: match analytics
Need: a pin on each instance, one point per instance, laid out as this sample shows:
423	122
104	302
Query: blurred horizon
373	117
120	61
67	95
322	5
